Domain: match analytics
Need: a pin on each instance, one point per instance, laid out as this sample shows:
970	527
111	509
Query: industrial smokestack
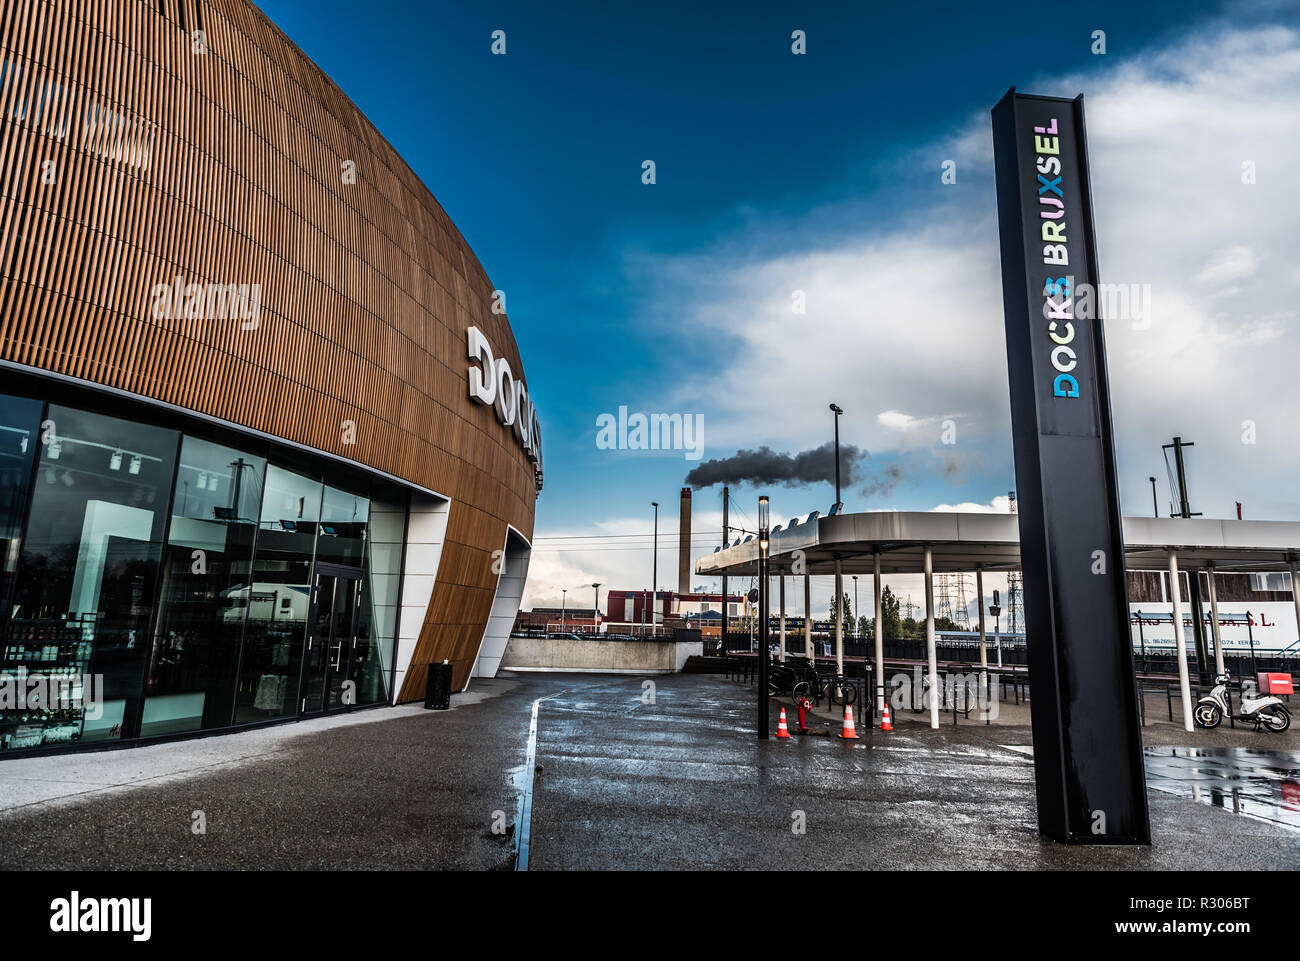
684	545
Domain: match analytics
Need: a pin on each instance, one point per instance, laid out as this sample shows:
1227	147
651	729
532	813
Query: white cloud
1229	264
999	505
906	320
879	357
897	420
913	431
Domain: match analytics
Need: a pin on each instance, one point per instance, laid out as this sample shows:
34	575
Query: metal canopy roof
963	542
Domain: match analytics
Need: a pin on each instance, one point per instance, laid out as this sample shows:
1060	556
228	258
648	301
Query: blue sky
777	173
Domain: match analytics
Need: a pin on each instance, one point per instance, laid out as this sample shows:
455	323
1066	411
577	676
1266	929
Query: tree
847	607
891	622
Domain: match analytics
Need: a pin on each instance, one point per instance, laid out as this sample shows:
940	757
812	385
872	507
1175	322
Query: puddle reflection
1257	783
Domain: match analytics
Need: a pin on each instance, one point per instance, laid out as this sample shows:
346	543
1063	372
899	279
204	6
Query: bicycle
836	688
780	679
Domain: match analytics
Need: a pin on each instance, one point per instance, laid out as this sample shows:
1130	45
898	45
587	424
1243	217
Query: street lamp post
996	611
238	464
564	603
839	580
837	411
763	653
1155	504
1250	636
857	615
595	612
654	574
1142	641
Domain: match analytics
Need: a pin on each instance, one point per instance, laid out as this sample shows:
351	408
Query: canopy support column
880	644
807	620
1214	618
781	579
839	619
984	647
931	654
1180	644
1295	592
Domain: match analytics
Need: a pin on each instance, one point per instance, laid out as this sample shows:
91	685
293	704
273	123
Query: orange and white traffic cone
885	723
849	733
781	729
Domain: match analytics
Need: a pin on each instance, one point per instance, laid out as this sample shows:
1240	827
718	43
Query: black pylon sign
1087	738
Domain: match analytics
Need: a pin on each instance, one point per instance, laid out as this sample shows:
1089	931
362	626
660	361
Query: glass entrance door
343	643
331	639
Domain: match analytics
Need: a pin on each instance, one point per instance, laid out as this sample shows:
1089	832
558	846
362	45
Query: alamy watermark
22	691
76	914
182	301
637	431
976	690
1112	302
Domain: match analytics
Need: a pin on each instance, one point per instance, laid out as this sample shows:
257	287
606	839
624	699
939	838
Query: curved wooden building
201	234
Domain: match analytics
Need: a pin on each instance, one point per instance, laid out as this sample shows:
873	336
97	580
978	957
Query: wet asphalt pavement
684	783
420	792
1249	781
678	783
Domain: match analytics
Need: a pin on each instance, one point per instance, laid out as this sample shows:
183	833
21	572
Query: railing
626	629
680	635
967	652
955	700
1238	665
895	650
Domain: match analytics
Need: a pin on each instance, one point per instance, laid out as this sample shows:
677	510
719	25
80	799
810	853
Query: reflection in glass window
206	570
88	569
343	528
19	441
276	597
291	504
384	543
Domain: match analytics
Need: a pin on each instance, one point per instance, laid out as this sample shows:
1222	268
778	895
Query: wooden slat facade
127	158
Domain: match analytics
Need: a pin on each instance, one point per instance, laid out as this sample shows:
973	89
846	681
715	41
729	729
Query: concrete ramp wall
597	657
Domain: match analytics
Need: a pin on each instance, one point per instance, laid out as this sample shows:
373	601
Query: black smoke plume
886	479
768	467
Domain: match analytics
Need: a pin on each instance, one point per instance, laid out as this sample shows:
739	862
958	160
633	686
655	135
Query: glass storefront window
344	527
385	543
343	523
176	575
88	568
206	577
277	597
19	441
20	421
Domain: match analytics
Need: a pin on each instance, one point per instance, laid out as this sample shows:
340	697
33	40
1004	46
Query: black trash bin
437	689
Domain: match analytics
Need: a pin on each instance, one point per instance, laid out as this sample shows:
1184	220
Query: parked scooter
1266	710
